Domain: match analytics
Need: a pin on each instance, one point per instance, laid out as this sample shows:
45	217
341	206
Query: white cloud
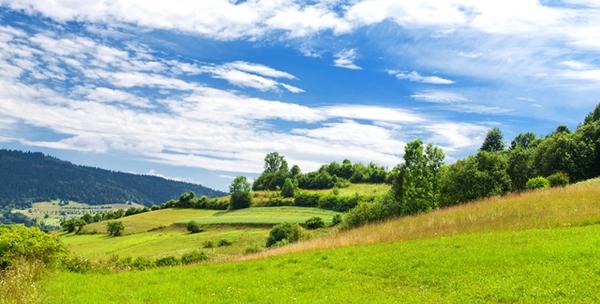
188	124
252	75
438	96
416	77
345	59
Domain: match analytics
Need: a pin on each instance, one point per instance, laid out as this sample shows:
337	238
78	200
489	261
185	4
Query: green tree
289	188
493	141
275	162
239	192
593	116
295	171
284	232
520	166
115	228
415	183
275	173
524	140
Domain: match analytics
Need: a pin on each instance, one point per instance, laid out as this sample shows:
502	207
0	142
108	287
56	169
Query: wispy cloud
416	77
252	75
345	59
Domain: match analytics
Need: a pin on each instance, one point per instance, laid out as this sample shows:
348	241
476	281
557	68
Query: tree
239	192
523	140
593	116
284	232
520	166
288	189
295	171
415	183
493	141
275	162
115	228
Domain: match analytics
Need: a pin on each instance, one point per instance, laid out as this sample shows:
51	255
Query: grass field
541	266
574	205
167	242
162	233
260	197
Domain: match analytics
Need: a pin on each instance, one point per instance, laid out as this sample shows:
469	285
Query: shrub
167	261
208	244
558	179
288	189
29	244
142	263
194	227
284	231
338	203
223	243
336	220
239	191
193	257
314	223
76	264
115	228
369	212
537	183
306	199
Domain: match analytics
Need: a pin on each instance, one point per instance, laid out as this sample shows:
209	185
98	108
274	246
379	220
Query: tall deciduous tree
239	192
493	141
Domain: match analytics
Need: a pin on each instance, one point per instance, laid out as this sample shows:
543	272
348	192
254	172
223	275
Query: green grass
541	266
162	233
151	220
260	197
265	215
168	242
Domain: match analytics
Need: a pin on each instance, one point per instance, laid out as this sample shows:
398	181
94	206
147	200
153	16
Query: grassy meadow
541	265
161	233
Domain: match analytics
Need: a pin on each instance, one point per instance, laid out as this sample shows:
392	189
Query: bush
338	203
284	231
336	220
193	257
537	183
194	227
314	223
167	261
558	179
76	264
223	243
369	212
115	228
289	188
31	244
208	244
142	263
306	199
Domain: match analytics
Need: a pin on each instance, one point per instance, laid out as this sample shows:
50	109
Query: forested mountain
27	177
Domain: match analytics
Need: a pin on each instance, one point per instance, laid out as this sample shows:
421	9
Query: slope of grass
167	242
151	220
260	197
574	205
265	215
535	266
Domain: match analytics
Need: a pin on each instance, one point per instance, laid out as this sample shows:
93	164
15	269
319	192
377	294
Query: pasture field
541	265
173	241
163	232
260	197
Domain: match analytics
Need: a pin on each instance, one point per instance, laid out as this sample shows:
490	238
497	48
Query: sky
200	91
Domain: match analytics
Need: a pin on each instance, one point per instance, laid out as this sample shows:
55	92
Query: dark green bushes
314	223
114	228
306	199
284	233
167	261
558	179
193	257
224	242
194	227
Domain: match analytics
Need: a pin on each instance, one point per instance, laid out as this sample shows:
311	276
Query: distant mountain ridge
27	177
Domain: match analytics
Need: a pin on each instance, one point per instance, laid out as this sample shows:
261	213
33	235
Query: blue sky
202	90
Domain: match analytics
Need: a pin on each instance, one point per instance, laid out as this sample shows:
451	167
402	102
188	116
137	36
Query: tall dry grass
574	205
19	283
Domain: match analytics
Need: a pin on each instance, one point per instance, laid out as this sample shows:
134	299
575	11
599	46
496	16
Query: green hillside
542	266
161	233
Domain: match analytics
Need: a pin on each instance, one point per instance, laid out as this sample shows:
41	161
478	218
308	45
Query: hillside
536	246
27	177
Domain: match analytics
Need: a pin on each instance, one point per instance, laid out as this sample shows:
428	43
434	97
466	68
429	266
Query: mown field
536	266
163	232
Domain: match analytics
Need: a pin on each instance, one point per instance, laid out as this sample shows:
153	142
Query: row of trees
423	182
276	173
